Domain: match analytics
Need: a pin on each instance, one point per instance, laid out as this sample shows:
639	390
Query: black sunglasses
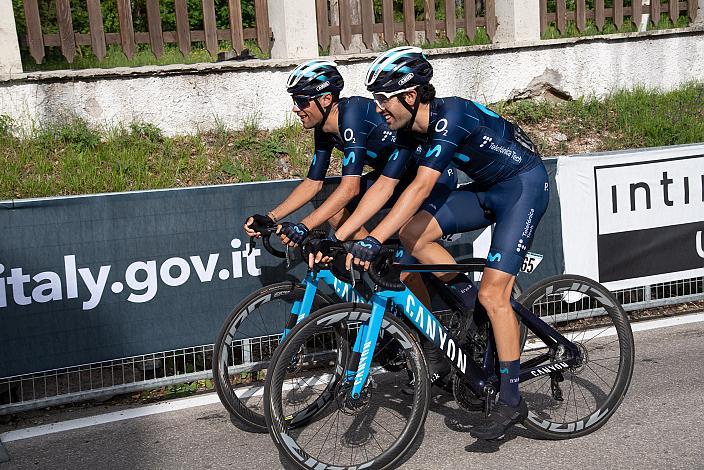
302	102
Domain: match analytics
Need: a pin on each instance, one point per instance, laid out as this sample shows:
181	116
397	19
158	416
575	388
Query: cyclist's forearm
302	194
370	205
406	206
342	195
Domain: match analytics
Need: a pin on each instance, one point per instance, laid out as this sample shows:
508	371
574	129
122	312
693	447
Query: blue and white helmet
397	69
314	78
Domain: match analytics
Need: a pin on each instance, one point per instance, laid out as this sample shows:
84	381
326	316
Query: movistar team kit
367	140
510	183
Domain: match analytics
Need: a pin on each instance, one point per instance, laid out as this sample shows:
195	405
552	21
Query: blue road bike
254	328
576	367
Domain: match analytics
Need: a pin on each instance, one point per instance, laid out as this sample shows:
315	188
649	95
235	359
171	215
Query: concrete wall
185	99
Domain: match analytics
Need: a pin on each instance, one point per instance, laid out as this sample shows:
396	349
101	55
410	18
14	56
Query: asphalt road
660	425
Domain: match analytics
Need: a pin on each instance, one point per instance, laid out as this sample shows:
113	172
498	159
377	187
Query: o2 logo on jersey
441	127
348	135
434	152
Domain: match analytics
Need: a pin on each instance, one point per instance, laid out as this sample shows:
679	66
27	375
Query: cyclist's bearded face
396	115
309	113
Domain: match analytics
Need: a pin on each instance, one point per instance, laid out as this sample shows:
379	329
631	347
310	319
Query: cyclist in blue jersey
509	188
351	125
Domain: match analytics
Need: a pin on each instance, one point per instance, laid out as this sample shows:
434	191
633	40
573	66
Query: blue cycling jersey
366	140
510	185
487	147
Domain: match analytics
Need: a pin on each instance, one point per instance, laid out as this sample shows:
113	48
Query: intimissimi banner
634	218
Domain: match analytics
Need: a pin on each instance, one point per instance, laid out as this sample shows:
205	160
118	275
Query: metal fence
150	371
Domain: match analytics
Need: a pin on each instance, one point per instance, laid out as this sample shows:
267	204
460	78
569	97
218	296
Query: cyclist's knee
493	302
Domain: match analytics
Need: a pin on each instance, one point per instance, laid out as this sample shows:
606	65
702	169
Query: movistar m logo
298	230
494	257
504	370
365	245
348	159
394	155
434	152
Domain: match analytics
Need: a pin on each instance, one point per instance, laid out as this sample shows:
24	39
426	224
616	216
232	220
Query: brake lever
289	259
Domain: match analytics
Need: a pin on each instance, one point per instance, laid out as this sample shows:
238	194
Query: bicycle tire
363	423
245	411
588	314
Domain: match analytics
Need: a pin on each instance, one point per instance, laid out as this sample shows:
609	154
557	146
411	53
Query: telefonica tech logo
141	278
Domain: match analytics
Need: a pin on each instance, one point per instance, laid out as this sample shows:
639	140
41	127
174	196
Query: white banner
633	218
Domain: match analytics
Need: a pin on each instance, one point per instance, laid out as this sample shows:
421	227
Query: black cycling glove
260	222
367	249
295	232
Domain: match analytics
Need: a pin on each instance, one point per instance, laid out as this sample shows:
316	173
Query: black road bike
576	366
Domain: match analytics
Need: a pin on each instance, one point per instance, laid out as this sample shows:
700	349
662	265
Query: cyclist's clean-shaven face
396	115
310	114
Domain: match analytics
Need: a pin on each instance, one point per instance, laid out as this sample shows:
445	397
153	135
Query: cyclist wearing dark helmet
509	188
353	126
315	88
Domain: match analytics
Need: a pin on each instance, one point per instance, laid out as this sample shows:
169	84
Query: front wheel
245	345
372	431
578	400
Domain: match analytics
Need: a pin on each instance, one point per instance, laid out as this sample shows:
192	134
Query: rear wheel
577	400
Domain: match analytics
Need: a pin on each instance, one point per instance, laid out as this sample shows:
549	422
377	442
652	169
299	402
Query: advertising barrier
93	278
634	218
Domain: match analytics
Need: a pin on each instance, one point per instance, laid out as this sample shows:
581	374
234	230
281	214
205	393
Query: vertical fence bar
387	11
236	31
581	15
490	15
321	12
470	18
450	20
345	23
35	38
367	12
599	19
210	27
674	10
63	18
97	30
543	16
637	6
124	13
655	11
261	10
561	16
409	21
692	10
430	23
618	13
156	35
183	30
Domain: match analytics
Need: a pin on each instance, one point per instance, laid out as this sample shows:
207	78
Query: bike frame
479	377
302	308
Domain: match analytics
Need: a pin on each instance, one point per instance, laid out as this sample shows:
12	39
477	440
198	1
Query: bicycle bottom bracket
349	405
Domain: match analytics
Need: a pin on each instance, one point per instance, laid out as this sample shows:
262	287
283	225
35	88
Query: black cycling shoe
502	417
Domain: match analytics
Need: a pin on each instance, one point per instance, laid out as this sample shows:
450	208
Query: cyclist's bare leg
419	236
495	295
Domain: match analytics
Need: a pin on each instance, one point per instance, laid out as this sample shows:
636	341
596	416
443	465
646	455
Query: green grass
73	158
625	119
